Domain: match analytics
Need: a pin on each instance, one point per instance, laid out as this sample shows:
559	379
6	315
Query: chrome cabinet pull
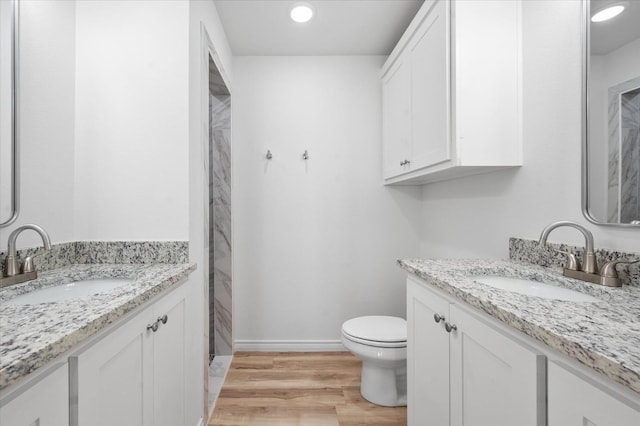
437	317
163	319
153	327
405	162
449	327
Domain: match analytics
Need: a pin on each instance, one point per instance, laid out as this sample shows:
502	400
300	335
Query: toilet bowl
381	343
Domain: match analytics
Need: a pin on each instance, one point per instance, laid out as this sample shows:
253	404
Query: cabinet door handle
449	327
163	319
405	162
437	317
153	327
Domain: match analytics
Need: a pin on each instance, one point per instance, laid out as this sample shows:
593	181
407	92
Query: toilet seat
378	331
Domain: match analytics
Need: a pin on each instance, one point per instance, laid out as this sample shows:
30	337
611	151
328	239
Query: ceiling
609	35
339	27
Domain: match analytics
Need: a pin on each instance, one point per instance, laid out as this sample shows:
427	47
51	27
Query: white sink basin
69	291
533	288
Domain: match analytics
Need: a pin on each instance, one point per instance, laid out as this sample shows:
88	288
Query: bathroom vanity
481	355
122	356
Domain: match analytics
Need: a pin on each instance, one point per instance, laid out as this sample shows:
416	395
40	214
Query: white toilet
381	343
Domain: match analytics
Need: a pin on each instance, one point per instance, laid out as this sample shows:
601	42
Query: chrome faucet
14	273
608	277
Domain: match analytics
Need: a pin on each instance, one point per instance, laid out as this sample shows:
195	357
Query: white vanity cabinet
44	402
451	93
577	400
135	375
464	371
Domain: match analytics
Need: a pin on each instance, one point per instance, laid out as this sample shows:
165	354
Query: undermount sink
69	291
533	288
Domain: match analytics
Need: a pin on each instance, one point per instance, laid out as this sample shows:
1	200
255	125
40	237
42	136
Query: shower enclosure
220	290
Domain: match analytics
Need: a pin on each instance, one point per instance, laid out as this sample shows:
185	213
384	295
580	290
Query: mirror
8	112
611	114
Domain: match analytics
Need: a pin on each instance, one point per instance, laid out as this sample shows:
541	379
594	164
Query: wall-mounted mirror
8	112
611	125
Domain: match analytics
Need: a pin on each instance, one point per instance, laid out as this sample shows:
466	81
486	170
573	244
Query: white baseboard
289	346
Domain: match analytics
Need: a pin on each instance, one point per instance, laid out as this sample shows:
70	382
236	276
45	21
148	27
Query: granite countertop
33	335
603	335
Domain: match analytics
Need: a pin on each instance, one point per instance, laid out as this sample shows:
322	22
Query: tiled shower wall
624	152
630	158
219	223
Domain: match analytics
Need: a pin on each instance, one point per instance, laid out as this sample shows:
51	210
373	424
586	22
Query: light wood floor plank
283	389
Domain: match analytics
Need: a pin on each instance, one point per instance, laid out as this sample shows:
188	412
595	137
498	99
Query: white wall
46	96
475	217
315	241
132	120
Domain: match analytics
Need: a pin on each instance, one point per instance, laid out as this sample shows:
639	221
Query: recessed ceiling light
301	12
608	12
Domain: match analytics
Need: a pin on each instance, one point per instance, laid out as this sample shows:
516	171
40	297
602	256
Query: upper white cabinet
464	371
451	93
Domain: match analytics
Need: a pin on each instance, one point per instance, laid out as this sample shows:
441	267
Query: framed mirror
611	113
8	112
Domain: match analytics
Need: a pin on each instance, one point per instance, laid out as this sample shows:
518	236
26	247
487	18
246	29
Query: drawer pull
163	319
449	327
153	327
437	317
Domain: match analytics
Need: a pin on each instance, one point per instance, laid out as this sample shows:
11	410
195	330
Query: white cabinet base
575	400
44	403
465	371
135	376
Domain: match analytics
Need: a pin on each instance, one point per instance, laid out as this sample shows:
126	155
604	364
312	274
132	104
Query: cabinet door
428	50
46	403
427	358
112	375
494	380
577	401
169	354
396	104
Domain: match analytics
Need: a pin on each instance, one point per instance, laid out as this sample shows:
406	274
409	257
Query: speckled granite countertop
603	335
33	335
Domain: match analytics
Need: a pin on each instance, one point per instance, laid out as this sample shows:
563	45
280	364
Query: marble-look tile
33	335
613	158
217	372
603	335
220	225
623	163
531	252
630	158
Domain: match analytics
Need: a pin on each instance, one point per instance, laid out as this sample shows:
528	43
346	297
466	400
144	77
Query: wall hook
305	155
269	155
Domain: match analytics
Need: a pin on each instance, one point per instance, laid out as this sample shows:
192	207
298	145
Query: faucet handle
573	263
609	268
28	265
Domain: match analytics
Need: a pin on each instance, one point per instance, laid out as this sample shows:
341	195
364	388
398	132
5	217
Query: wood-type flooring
294	388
